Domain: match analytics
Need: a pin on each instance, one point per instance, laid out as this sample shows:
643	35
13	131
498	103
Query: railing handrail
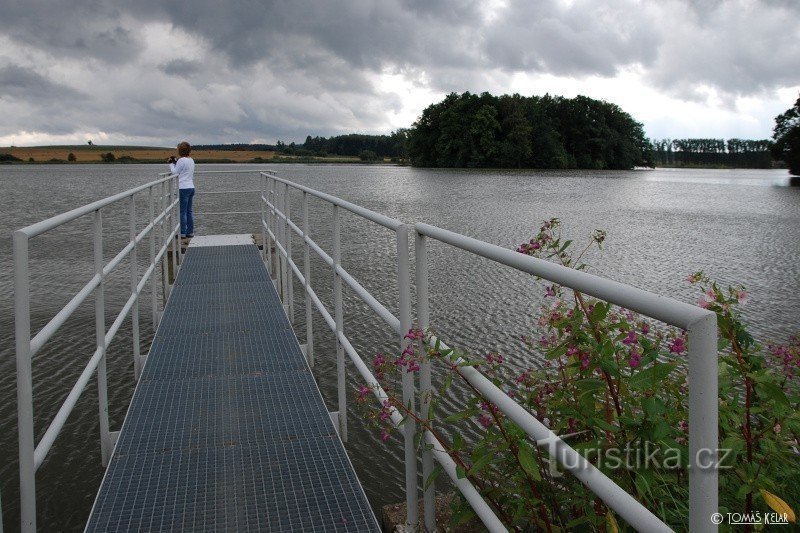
53	222
334	321
278	227
378	218
701	327
160	217
663	308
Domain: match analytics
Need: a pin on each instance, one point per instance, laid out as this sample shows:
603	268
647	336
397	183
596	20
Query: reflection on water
661	225
738	177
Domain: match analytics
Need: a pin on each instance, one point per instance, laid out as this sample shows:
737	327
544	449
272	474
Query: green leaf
458	442
602	424
590	384
773	392
481	463
600	311
464	515
448	380
555	353
661	430
455	417
432	477
651	377
652	406
528	463
565	245
460	472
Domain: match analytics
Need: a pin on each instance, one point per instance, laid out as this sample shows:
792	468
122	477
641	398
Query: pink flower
485	420
636	359
741	296
645	328
702	302
384	435
415	334
412	367
632	338
363	391
677	346
571	350
549	291
777	429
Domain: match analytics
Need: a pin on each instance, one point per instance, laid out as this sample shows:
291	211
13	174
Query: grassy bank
144	154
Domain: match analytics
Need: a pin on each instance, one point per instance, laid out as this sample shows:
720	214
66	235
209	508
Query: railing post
137	362
153	273
409	427
423	321
339	319
22	332
285	255
175	214
163	225
274	224
307	284
281	239
703	424
264	246
287	203
100	336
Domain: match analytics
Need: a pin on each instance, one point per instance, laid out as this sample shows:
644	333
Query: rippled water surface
737	225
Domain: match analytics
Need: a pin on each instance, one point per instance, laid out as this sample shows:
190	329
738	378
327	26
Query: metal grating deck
227	429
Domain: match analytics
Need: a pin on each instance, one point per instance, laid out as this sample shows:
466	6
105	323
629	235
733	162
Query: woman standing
184	168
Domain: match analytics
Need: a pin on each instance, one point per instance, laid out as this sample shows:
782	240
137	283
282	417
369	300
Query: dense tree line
513	131
355	144
740	153
235	146
787	138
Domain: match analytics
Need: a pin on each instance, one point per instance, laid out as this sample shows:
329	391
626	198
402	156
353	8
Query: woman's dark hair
184	149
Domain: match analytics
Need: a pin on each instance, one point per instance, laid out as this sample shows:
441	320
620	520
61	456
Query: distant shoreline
98	154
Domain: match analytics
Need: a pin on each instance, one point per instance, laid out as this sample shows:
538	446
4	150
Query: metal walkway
227	429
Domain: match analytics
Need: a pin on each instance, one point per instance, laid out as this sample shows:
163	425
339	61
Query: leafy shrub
614	385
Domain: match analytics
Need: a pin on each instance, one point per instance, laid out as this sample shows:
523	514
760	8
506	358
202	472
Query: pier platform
227	429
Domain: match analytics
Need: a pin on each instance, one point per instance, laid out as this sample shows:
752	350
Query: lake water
736	225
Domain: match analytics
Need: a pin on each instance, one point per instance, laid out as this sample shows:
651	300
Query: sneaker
190	235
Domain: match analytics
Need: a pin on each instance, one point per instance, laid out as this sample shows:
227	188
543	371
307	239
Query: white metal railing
278	227
162	229
701	327
162	213
277	230
699	324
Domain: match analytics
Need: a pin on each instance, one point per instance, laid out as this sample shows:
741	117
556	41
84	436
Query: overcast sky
152	72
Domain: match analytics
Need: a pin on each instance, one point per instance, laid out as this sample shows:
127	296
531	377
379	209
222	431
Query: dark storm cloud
24	84
585	38
88	29
274	68
181	68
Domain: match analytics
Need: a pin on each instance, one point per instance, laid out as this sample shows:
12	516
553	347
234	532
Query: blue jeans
187	217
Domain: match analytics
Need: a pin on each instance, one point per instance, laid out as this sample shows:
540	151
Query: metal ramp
227	429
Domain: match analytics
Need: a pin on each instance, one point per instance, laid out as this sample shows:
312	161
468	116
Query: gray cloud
90	29
24	84
181	67
282	69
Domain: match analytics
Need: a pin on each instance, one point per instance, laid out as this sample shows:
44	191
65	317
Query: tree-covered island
470	130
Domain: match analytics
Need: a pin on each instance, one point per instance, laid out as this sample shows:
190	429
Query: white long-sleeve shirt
184	168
